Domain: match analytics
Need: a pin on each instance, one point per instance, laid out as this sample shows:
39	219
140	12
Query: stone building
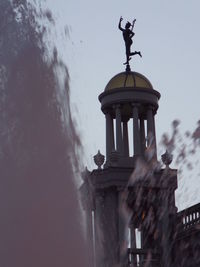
129	200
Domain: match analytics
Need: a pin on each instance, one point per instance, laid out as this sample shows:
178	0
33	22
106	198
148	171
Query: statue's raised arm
119	26
134	21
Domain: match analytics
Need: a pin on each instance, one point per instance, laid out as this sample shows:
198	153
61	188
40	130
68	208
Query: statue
128	35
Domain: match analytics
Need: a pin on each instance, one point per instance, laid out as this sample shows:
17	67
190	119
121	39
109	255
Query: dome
128	79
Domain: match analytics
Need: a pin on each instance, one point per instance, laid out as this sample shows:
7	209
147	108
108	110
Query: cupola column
142	136
136	133
154	130
119	140
150	124
125	138
151	135
109	135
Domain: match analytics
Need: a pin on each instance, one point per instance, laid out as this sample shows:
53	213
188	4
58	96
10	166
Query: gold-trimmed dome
130	79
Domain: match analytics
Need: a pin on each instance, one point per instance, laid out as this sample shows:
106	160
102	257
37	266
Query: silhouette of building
129	200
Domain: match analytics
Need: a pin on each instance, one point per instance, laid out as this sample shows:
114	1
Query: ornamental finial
167	158
99	159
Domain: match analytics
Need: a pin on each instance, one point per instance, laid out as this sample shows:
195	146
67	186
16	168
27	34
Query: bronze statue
128	35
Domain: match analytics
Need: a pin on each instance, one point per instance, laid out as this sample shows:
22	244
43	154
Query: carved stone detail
167	158
99	160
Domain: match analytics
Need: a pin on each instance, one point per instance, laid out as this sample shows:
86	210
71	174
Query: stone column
109	135
122	227
119	141
150	123
112	136
106	229
136	133
142	136
133	245
88	207
125	138
99	228
154	131
151	137
89	236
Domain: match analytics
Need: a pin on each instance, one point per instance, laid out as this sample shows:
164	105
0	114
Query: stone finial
99	160
167	158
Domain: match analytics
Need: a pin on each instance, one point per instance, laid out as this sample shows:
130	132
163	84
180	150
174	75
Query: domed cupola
128	79
129	95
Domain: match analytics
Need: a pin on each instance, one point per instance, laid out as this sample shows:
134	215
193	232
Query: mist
41	223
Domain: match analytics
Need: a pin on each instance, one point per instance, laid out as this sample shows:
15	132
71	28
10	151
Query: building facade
129	200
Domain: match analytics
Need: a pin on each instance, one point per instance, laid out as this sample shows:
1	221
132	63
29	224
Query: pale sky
168	35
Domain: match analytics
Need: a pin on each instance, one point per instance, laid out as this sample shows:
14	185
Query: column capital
125	119
107	111
151	107
116	106
135	104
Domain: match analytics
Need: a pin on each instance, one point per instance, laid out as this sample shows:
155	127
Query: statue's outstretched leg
136	53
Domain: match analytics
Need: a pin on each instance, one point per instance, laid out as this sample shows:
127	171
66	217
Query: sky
167	34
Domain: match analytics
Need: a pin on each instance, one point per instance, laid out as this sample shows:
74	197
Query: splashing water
185	148
40	217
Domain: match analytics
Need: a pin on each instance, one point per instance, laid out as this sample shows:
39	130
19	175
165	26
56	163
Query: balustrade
143	256
188	218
